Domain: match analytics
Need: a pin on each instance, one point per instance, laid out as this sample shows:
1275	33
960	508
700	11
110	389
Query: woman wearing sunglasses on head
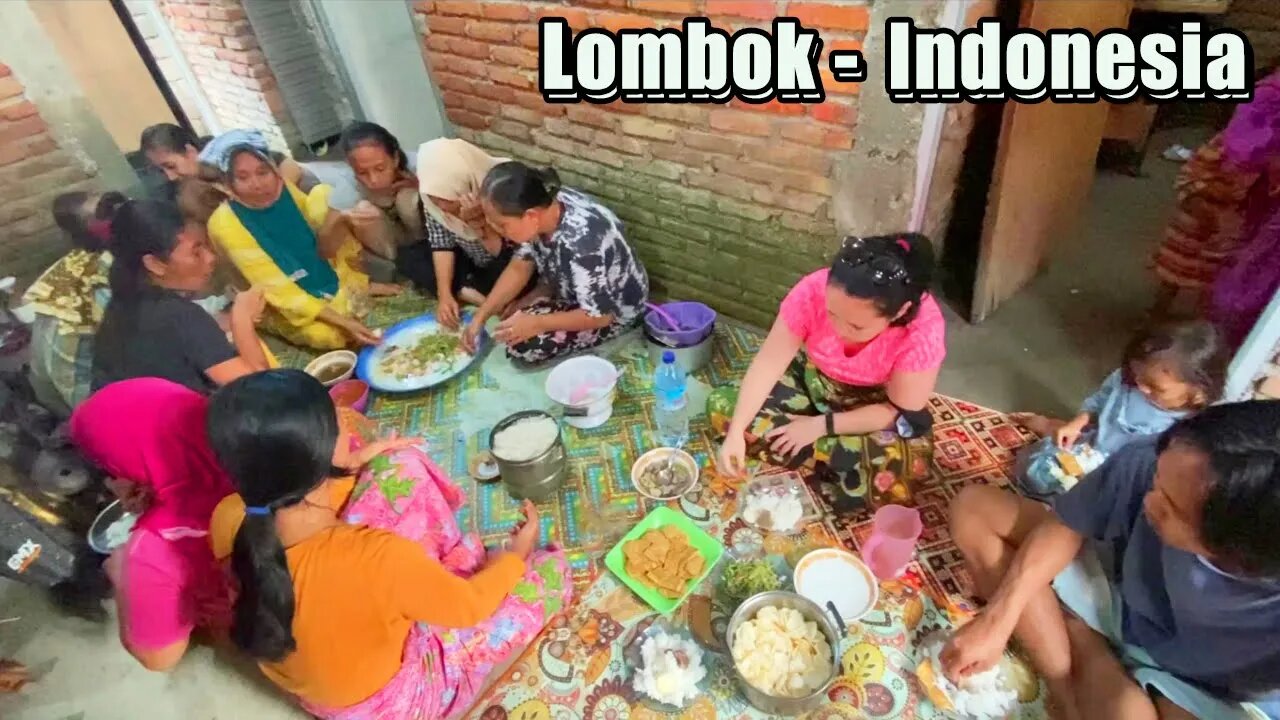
841	384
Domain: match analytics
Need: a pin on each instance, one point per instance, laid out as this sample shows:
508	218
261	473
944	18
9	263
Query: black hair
890	270
141	228
169	138
92	230
1193	350
274	432
1242	508
513	187
366	133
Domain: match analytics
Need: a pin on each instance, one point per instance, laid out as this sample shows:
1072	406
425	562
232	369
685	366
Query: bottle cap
668	357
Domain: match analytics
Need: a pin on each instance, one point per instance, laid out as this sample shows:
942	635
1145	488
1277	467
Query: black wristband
831	423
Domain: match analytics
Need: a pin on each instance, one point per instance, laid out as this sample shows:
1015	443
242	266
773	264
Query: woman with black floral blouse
597	285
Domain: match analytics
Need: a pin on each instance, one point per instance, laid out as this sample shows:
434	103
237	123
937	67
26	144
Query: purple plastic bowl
697	321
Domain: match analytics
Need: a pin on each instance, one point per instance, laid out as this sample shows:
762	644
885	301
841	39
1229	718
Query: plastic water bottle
672	406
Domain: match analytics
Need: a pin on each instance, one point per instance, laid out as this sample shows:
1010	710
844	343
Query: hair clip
257	510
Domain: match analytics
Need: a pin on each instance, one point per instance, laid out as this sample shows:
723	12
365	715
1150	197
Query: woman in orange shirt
363	621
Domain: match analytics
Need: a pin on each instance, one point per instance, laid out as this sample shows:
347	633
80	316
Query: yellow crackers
663	559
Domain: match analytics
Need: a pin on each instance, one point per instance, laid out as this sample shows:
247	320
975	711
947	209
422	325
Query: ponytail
88	228
263	624
515	188
274	432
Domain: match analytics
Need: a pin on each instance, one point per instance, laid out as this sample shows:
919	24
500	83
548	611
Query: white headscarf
452	169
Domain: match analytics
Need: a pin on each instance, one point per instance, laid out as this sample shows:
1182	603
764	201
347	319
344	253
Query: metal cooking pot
762	701
536	479
689	359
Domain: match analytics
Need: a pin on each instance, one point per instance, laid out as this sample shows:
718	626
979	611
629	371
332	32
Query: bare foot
384	289
1038	424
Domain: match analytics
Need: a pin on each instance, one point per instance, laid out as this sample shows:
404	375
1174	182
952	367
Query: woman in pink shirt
150	435
841	385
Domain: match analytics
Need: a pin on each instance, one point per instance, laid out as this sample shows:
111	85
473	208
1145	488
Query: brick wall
169	64
33	169
225	58
727	204
1259	20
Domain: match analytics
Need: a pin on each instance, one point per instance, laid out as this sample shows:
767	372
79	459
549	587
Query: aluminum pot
689	359
536	479
762	701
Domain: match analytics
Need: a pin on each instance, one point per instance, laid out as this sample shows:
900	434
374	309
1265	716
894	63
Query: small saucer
483	467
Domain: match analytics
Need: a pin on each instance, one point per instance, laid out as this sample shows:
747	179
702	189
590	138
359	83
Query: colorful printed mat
576	670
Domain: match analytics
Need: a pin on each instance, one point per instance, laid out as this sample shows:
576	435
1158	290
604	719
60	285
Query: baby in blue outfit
1167	372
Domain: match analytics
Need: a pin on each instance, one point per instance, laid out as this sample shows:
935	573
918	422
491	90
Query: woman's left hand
799	433
134	496
519	327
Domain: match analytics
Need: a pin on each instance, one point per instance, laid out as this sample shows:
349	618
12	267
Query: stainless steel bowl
762	701
536	479
689	359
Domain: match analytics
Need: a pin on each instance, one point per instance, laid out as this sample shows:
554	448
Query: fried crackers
663	559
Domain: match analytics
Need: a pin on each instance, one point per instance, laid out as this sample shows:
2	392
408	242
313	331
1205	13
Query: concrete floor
1045	351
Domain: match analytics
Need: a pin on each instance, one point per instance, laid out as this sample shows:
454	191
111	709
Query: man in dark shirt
1168	559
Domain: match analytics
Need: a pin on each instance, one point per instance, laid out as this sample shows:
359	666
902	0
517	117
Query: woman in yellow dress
292	245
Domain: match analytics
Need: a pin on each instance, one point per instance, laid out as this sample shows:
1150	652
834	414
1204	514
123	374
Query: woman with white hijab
462	256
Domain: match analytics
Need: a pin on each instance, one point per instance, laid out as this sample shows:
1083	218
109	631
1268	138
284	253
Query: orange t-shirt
357	593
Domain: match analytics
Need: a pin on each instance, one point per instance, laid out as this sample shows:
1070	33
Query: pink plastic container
351	393
892	544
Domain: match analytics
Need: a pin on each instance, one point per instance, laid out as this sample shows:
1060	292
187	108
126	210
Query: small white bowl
660	455
323	367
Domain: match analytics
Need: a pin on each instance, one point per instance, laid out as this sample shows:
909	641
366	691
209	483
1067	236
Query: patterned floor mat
575	671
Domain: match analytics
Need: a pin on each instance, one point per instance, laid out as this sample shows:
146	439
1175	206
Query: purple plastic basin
696	320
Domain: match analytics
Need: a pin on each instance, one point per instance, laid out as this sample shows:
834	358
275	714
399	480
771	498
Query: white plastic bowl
341	358
586	387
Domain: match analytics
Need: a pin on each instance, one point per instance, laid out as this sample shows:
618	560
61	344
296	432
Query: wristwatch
831	423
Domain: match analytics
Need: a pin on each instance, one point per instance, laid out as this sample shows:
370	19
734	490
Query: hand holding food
799	433
471	335
364	213
1068	434
525	537
357	331
732	460
447	311
519	327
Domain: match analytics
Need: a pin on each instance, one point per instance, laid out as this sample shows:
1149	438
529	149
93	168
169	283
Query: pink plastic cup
892	544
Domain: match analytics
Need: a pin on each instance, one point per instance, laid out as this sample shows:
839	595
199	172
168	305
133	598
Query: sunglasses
884	267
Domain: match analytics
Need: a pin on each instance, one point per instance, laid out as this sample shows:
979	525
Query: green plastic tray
709	547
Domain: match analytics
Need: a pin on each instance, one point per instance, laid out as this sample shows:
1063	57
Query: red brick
199	12
456	83
576	17
835	112
838	139
534	101
508	128
467	118
470	48
176	11
21	129
444	62
9	87
512	11
447	25
831	85
631	146
226	13
773	106
514	78
589	115
424	6
523	115
11	153
801	202
754	9
200	26
484	106
623	21
40	146
439	43
490	31
793	155
220	27
686	113
625	107
459	7
500	93
669	7
528	38
711	142
740	122
604	3
837	16
518	57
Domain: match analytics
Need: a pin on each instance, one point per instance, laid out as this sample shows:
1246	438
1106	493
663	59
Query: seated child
1168	372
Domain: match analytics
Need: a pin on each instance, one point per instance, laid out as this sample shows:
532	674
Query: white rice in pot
525	439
